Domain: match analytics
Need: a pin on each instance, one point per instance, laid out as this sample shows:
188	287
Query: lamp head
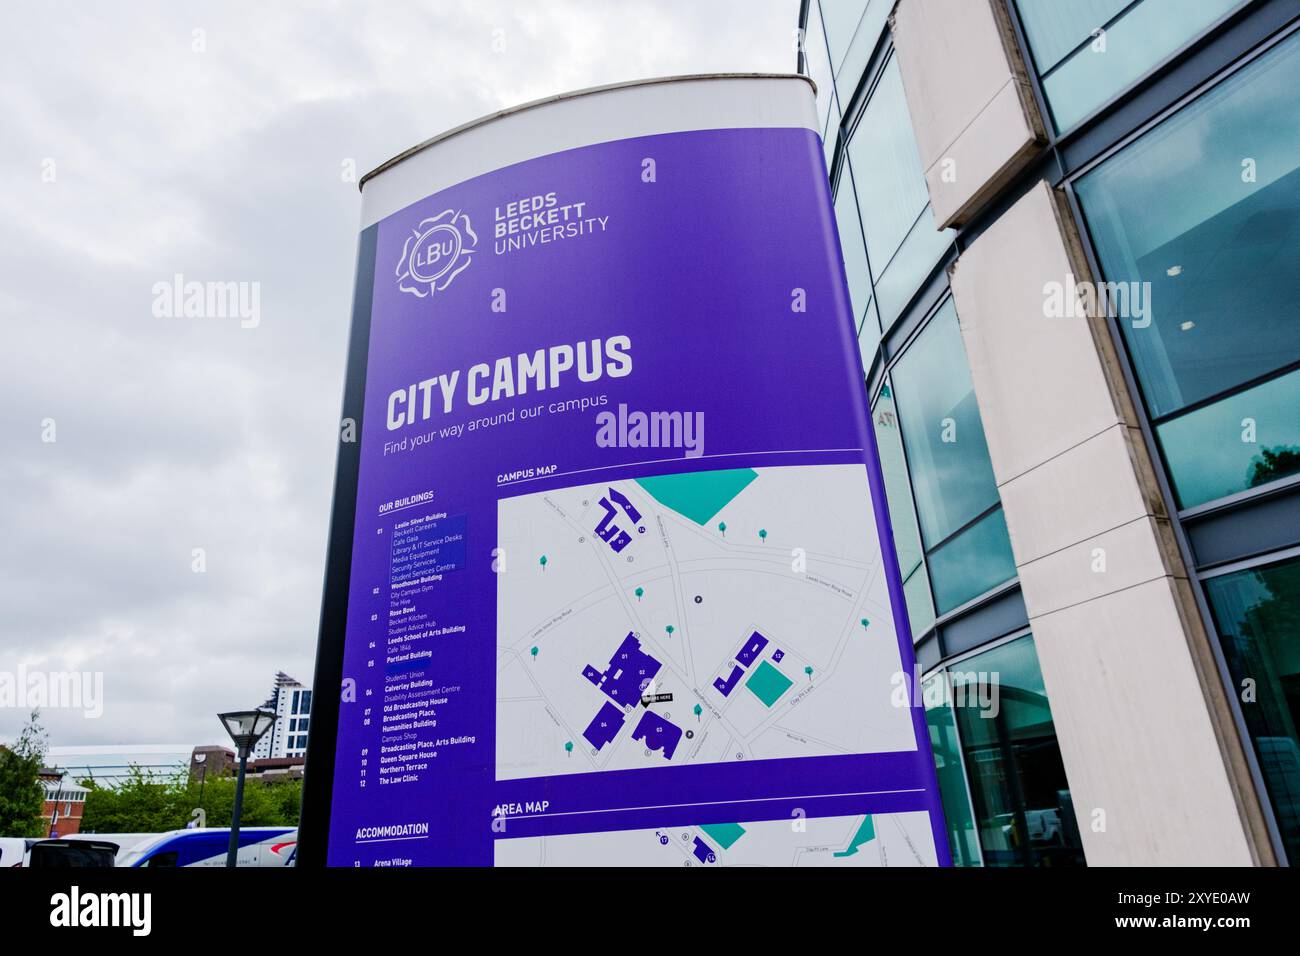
246	727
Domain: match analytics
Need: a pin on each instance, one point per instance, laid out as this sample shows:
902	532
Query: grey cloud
180	434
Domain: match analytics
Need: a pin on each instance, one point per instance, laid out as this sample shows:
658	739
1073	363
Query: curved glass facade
949	531
1172	133
1200	210
1258	617
1087	52
1217	257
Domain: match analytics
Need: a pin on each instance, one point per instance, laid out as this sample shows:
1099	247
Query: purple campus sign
621	586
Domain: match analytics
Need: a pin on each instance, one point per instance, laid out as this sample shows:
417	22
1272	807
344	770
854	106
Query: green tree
1273	463
22	798
144	802
149	803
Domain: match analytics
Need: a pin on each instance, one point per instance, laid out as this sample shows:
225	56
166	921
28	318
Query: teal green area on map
701	494
866	833
768	684
724	833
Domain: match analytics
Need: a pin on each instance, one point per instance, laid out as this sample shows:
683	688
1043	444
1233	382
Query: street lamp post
245	727
202	761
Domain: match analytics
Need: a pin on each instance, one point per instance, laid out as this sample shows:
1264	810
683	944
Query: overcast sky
141	140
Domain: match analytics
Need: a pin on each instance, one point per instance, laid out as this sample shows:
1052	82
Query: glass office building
1147	661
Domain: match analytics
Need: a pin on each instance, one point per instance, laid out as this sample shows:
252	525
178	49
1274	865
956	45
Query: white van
57	853
258	846
125	841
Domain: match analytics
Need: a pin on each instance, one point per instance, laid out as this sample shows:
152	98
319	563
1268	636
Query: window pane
841	18
1018	786
942	431
1258	617
849	72
902	516
854	252
817	60
1206	208
1239	443
962	840
891	184
975	561
1140	40
869	336
1054	29
920	607
922	248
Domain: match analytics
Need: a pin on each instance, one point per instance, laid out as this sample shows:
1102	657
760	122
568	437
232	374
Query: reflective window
883	150
948	457
973	562
1202	217
1258	617
963	841
1088	51
841	18
1239	443
1055	30
893	197
904	274
864	42
851	246
942	431
817	65
902	515
869	336
920	606
1021	798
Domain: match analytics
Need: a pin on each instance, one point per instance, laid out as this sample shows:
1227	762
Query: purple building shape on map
629	673
725	684
610	533
658	733
703	852
753	647
605	726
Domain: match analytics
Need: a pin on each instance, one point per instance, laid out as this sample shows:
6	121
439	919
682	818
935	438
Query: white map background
899	839
577	608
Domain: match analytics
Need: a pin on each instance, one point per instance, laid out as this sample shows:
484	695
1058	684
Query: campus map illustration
697	618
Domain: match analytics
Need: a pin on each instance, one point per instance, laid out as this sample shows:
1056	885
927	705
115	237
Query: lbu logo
436	251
